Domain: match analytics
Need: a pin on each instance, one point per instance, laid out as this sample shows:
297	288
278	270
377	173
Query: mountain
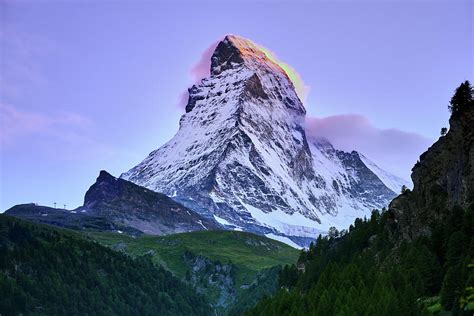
241	155
51	271
113	204
416	258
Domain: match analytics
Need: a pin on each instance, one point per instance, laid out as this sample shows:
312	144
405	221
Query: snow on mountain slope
241	155
392	182
355	188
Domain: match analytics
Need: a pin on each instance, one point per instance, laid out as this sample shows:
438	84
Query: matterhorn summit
241	155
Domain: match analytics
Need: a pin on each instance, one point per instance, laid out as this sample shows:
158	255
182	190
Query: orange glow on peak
255	51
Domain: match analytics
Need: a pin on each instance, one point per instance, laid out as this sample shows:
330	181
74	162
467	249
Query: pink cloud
393	149
202	68
15	123
198	71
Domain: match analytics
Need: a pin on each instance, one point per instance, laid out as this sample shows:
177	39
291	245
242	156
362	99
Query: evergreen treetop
462	98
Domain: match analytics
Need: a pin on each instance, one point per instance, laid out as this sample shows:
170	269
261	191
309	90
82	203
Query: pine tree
325	304
452	287
461	98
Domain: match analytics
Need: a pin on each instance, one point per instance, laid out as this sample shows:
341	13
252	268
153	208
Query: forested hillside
363	272
49	271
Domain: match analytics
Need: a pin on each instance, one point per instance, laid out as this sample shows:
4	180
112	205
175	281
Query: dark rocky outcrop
442	178
148	211
213	277
225	56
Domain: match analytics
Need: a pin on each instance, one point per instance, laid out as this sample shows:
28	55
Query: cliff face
443	178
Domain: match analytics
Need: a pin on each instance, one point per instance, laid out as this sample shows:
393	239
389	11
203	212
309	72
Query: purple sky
96	85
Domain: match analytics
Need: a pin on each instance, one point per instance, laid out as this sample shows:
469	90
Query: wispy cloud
198	71
395	150
16	123
202	68
69	132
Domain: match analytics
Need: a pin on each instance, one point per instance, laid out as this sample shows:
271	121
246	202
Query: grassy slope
248	252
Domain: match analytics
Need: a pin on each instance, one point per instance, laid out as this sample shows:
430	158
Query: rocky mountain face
134	206
205	274
241	155
113	204
442	178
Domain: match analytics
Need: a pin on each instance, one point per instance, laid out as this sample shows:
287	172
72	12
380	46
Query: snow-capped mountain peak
241	155
241	63
235	50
